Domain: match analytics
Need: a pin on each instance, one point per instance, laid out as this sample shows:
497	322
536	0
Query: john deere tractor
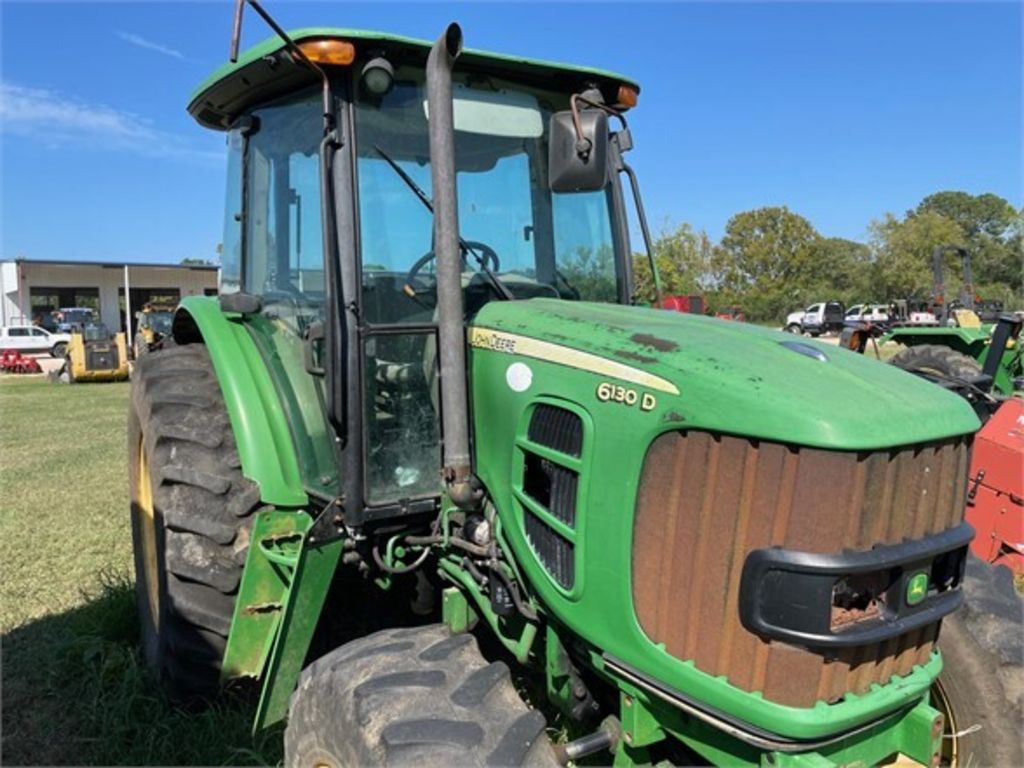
422	443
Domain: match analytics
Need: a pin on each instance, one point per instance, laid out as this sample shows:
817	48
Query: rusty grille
707	500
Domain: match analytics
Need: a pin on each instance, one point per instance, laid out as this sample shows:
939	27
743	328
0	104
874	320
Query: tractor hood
730	377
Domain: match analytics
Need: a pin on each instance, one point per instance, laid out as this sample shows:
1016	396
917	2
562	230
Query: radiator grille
555	553
548	488
556	428
552	486
705	501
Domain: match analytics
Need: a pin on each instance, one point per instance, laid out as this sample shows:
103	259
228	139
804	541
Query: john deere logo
917	588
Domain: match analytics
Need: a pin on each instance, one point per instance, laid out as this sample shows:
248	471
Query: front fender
258	421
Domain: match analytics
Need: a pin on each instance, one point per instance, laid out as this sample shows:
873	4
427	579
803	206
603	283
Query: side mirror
578	165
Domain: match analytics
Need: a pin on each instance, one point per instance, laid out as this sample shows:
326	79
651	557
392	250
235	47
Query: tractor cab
524	231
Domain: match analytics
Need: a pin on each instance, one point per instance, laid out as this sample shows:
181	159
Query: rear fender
258	421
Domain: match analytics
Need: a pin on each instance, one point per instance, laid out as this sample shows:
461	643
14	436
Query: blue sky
842	111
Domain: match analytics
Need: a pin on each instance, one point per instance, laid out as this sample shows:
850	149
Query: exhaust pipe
461	485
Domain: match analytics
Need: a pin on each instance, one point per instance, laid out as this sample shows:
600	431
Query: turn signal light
337	52
628	96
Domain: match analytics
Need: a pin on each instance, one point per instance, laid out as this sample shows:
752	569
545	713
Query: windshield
539	243
160	321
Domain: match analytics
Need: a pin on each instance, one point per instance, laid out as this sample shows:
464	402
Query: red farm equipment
12	361
995	500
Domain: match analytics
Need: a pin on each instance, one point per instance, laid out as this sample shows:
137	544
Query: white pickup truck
32	338
818	318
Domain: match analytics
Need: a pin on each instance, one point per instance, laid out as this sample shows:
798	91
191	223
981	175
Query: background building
30	290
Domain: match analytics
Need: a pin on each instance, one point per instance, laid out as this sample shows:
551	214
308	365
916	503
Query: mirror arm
623	167
292	46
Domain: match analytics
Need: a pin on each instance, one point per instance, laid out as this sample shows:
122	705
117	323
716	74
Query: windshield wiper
500	288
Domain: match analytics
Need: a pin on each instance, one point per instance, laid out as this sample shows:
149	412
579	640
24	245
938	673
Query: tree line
771	260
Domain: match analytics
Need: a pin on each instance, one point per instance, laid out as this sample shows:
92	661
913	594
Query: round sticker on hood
519	377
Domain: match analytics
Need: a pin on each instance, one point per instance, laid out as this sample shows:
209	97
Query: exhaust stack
462	486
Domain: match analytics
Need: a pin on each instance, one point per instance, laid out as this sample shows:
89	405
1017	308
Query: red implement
995	498
12	361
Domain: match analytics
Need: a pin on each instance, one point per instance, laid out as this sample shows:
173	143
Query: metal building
32	290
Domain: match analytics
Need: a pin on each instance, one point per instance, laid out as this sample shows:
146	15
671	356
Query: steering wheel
488	254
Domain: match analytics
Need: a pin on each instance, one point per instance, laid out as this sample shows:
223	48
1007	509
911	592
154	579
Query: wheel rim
147	536
949	752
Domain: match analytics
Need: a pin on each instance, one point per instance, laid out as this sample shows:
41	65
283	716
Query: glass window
38	332
17	331
231	247
537	242
283	236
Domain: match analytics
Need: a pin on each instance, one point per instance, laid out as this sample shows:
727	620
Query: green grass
74	689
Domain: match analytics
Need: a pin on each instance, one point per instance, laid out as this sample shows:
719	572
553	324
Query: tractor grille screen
555	553
549	487
557	429
552	486
706	501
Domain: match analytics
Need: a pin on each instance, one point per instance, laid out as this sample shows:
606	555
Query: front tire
418	696
191	513
793	328
58	350
981	688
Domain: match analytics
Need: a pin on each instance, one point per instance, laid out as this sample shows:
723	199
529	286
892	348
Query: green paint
302	399
266	580
646	721
258	420
731	378
224	79
515	633
314	570
456	612
917	588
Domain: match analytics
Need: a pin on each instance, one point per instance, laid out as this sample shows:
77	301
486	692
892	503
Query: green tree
766	262
591	273
990	228
842	269
903	252
683	257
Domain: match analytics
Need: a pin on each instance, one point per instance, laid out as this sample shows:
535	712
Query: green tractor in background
423	413
959	347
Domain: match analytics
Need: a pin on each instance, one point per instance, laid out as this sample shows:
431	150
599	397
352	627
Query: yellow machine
94	354
153	323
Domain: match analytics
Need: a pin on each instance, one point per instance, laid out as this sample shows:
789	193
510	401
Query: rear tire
981	687
191	514
935	358
418	696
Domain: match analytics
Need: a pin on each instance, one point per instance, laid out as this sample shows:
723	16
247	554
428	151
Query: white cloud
56	120
149	45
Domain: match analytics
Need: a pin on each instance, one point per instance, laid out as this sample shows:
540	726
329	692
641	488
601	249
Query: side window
38	332
283	236
18	332
231	247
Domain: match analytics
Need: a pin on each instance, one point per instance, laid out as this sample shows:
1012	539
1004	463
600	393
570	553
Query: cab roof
266	71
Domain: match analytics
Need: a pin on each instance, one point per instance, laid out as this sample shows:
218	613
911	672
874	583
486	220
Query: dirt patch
654	342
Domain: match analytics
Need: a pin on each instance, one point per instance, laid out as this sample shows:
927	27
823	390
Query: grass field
73	688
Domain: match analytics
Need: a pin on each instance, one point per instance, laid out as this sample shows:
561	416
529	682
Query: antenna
236	30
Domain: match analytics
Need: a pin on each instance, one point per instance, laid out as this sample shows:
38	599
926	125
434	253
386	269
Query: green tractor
423	419
959	346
